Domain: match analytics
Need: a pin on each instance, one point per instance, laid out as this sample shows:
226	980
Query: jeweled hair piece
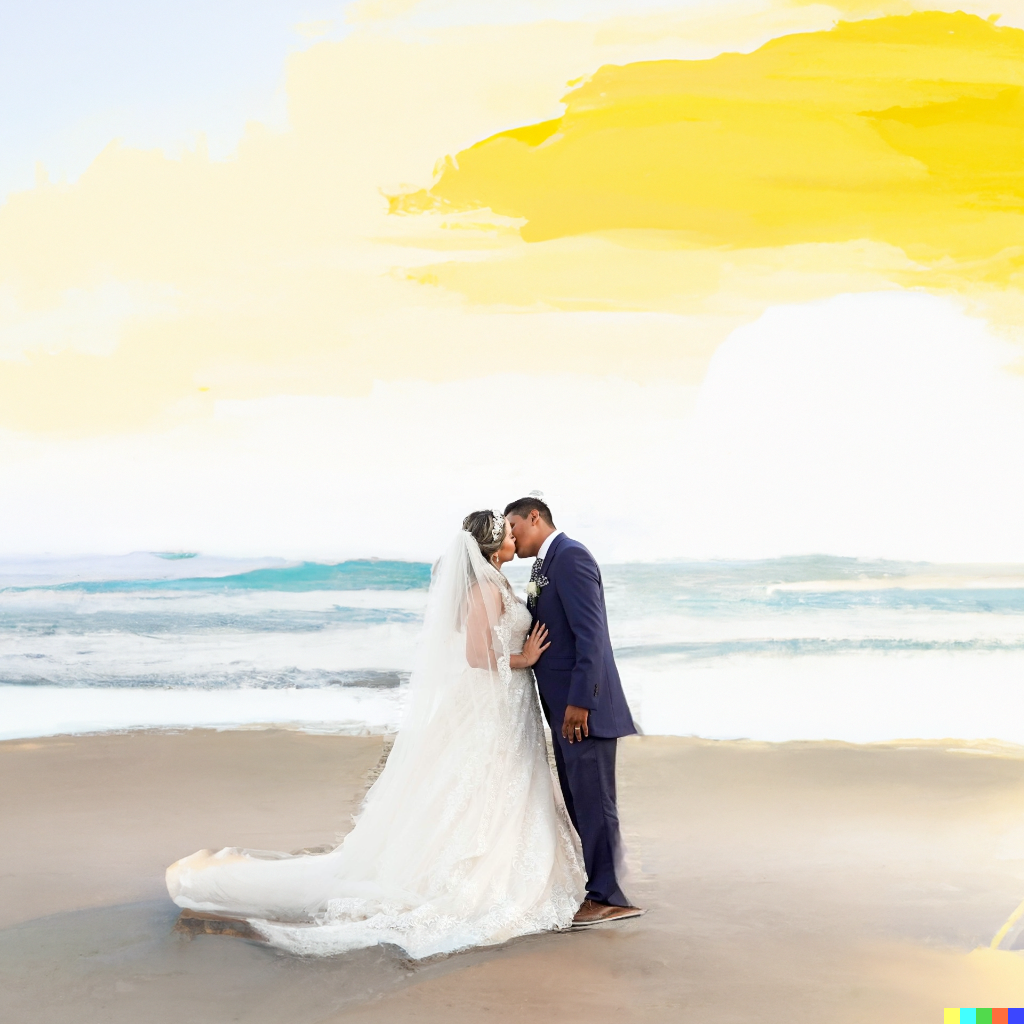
497	525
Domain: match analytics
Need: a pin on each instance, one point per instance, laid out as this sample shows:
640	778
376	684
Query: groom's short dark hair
522	507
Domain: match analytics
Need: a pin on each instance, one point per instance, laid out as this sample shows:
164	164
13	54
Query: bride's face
507	551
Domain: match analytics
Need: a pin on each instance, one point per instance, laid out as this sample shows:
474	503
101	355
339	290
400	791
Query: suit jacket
578	668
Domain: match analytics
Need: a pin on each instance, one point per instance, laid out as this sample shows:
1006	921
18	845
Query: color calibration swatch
983	1015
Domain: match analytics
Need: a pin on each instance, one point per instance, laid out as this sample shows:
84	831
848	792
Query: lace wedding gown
462	841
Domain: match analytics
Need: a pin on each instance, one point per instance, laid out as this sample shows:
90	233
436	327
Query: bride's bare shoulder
501	595
486	591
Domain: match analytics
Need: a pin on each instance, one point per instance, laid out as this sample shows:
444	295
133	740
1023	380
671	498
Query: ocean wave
144	621
244	678
795	647
362	574
188	627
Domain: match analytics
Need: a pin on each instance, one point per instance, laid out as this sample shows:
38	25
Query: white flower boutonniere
533	589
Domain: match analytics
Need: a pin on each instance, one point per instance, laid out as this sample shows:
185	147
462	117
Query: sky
76	75
302	280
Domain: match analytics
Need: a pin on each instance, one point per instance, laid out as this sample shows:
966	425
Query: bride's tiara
497	525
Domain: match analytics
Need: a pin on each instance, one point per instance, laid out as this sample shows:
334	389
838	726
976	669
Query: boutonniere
533	589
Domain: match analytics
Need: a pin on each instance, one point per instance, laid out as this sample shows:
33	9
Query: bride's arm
485	609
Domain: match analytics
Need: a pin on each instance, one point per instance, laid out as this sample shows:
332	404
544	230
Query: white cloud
880	424
872	425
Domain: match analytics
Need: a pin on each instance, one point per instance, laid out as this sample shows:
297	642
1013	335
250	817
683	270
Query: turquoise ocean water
810	647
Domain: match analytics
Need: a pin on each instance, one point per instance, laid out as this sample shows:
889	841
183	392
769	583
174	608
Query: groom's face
528	533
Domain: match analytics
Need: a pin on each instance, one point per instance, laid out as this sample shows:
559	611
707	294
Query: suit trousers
586	773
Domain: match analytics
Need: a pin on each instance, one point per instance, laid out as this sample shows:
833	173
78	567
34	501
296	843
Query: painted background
730	279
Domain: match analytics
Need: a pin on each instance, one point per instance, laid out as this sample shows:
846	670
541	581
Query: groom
581	693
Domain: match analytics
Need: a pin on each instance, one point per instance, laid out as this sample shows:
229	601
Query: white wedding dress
462	841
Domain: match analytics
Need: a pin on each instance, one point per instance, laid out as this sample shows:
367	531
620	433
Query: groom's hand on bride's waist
574	725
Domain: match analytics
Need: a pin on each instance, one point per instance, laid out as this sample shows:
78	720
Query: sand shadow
142	962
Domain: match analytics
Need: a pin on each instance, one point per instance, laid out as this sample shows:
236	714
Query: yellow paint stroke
1010	922
906	131
127	293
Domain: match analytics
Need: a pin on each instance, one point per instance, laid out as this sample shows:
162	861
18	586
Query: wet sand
793	882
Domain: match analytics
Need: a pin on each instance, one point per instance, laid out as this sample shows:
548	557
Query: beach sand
792	882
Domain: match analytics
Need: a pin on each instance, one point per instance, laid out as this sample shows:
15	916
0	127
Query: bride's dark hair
480	526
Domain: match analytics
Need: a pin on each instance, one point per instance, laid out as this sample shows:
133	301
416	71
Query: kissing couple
464	840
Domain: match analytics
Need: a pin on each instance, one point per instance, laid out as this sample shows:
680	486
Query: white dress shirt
542	554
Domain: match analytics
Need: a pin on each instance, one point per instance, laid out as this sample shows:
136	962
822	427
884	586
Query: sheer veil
462	632
463	839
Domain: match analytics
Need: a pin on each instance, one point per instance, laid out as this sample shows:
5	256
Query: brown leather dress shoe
592	913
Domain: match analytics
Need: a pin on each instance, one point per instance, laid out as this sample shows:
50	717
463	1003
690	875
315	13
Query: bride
464	839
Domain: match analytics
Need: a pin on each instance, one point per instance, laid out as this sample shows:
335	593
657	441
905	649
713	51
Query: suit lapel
556	545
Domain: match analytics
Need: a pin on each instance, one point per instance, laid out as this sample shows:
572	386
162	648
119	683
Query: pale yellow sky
238	355
153	287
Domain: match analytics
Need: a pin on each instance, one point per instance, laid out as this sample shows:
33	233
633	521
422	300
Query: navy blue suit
579	668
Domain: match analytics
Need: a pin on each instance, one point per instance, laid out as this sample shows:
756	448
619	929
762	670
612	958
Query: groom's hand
574	725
